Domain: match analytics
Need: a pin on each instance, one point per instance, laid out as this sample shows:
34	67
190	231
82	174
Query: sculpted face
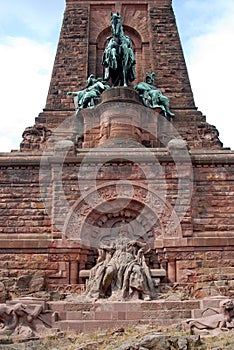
115	23
149	80
227	304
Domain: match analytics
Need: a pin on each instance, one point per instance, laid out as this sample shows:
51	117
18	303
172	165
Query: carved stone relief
144	208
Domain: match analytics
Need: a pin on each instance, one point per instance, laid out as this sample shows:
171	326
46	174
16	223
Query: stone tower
76	179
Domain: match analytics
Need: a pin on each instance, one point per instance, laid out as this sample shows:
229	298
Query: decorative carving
61	257
76	224
172	256
68	288
35	137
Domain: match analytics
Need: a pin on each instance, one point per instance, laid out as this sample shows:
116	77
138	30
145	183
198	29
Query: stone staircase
90	316
83	316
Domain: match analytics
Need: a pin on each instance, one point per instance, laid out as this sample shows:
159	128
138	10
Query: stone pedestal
120	117
119	121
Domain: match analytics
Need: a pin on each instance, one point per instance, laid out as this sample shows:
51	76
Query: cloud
25	72
210	64
38	19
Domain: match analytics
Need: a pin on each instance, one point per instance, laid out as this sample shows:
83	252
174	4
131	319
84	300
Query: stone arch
138	207
105	223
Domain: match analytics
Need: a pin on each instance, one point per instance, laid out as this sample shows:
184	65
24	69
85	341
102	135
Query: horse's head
116	25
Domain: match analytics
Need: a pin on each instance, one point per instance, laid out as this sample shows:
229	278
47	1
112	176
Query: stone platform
90	316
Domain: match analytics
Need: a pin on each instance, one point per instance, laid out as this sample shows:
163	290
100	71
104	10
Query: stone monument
122	154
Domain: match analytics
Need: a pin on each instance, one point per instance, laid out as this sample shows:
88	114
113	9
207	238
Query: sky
29	32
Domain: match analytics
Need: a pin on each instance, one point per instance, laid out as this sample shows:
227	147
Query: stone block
103	315
211	302
121	315
134	315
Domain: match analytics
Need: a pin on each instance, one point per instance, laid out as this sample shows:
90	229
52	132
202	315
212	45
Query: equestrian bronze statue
118	57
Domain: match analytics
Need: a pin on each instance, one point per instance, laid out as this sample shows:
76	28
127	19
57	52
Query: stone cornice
198	157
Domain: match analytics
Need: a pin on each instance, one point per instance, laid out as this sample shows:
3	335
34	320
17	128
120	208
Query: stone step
126	306
94	325
89	316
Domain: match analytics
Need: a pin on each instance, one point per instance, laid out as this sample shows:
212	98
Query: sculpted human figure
121	268
151	96
94	286
118	57
19	319
86	98
8	320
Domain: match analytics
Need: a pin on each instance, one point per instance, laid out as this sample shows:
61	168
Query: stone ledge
23	244
154	273
89	316
201	158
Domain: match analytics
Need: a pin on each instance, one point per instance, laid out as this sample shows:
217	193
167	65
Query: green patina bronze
118	57
153	97
86	98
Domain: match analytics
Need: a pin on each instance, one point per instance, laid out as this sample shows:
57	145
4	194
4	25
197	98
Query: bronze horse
118	58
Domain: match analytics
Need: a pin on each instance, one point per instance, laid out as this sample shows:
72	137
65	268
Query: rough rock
37	284
158	341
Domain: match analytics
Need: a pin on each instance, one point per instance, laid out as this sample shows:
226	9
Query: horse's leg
125	60
113	59
106	73
125	82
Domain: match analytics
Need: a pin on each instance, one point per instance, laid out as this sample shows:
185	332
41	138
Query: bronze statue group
119	66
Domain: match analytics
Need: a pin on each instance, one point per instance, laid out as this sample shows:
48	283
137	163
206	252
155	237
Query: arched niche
99	212
97	48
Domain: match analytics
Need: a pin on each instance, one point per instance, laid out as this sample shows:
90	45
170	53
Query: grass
110	339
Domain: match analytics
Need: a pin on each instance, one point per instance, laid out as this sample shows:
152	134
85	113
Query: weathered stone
158	341
47	203
154	341
37	284
221	319
3	293
177	144
23	282
23	318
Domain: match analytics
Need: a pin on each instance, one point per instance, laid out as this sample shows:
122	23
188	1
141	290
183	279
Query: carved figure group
121	267
19	319
151	96
86	98
118	57
35	137
222	318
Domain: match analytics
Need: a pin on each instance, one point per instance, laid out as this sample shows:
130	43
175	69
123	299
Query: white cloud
212	76
40	19
25	72
210	58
